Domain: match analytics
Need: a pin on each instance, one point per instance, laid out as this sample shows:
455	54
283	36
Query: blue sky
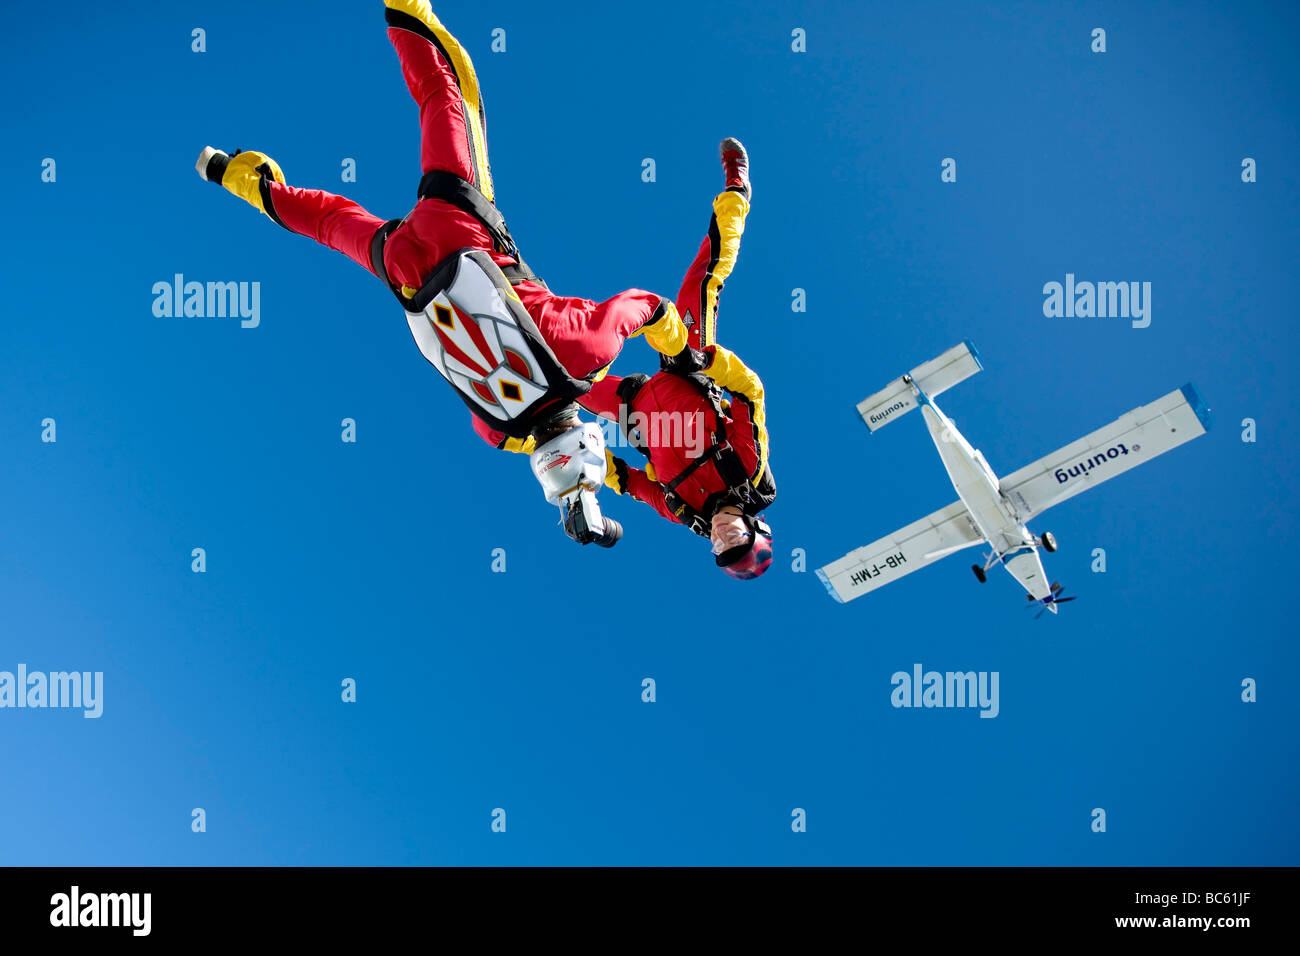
521	690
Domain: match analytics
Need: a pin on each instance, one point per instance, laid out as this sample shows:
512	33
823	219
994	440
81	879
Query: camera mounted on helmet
569	463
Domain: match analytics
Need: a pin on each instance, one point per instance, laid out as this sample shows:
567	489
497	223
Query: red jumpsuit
585	336
666	402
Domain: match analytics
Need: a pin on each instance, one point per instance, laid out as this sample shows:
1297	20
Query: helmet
571	469
751	559
572	460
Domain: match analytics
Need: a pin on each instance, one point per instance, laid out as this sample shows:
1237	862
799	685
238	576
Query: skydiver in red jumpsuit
573	340
585	336
719	485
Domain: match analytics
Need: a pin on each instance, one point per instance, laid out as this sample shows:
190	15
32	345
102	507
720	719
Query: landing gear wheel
1049	542
980	576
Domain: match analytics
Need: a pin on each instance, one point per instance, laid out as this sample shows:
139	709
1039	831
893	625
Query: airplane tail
933	377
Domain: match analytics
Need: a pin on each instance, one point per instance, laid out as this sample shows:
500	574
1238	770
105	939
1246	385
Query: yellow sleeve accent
522	446
409	292
650	472
242	178
729	211
736	377
601	374
667	334
466	78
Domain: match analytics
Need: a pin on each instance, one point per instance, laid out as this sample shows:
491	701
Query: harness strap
724	457
630	387
730	468
698	523
709	453
628	390
450	188
515	273
519	272
377	249
440	184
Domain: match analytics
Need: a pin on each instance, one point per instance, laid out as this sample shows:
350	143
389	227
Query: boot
735	165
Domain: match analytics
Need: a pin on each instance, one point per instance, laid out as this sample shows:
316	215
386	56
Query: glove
665	332
521	446
240	173
615	473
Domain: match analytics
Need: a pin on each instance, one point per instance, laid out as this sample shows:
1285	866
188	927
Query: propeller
1053	598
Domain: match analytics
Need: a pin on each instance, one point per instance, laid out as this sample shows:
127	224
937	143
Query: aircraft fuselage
994	517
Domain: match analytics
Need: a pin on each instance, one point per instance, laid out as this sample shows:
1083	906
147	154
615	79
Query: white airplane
993	511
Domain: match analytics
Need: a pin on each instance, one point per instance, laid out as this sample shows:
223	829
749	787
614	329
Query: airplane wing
1130	441
920	543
